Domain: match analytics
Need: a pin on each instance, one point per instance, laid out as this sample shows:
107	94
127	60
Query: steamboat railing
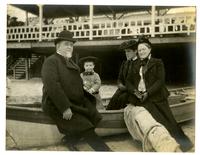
184	23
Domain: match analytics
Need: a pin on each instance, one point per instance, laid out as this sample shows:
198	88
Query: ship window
132	23
74	27
108	25
139	23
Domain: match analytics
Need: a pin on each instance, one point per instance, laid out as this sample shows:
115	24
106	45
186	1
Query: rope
16	145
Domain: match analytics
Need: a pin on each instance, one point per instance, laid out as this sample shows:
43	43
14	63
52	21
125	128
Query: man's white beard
68	54
65	54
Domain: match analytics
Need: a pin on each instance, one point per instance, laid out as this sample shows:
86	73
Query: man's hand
67	114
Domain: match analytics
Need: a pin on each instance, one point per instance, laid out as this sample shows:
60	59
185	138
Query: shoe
72	147
71	144
186	147
96	119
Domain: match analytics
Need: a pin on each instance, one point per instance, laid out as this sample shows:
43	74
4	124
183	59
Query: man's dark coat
156	103
63	88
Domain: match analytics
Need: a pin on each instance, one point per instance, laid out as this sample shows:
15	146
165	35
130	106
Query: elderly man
64	99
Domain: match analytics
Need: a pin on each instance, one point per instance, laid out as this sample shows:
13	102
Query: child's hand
91	90
85	88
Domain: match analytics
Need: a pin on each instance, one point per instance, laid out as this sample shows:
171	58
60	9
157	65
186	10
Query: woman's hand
144	96
141	96
138	95
121	87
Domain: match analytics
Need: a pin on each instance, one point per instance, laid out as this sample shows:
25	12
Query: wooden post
153	9
26	23
27	68
40	20
14	75
91	21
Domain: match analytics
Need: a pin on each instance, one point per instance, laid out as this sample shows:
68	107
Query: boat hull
30	127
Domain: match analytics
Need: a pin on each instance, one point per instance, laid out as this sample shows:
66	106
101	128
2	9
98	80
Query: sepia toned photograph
100	78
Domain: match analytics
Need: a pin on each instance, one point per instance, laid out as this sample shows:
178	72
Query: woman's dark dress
156	103
120	98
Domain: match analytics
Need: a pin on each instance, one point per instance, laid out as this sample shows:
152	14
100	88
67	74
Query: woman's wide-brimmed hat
65	35
129	44
143	39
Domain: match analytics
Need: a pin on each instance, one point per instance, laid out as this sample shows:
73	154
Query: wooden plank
184	111
50	44
15	45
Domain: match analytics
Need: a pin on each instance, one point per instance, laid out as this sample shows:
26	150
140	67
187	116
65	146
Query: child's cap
88	59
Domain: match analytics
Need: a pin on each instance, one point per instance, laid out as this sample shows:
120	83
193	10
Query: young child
91	79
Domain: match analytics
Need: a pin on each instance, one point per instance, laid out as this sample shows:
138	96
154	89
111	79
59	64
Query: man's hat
65	35
93	59
143	39
129	44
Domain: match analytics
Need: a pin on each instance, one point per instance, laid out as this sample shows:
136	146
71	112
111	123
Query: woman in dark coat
120	97
65	101
146	86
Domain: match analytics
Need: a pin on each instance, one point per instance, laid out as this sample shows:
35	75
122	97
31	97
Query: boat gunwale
39	109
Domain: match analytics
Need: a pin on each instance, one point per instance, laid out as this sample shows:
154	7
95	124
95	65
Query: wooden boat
30	127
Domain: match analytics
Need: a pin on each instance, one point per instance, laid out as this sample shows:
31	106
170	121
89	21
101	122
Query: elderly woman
146	86
120	98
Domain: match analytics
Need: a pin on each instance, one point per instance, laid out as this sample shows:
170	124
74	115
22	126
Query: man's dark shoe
96	119
70	143
72	147
186	146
